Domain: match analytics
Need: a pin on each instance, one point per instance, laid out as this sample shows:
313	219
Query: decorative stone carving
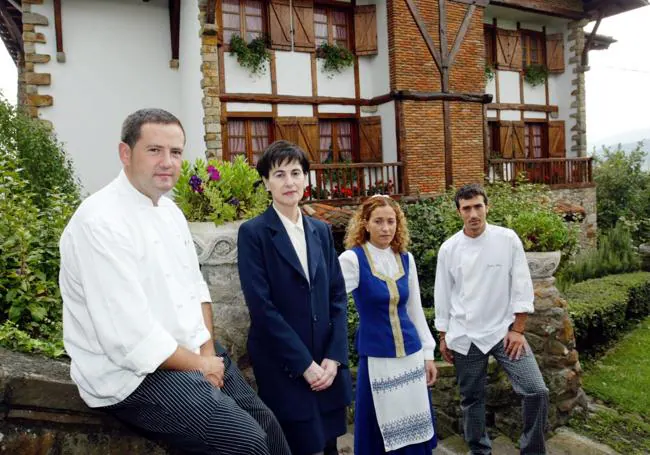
543	264
216	248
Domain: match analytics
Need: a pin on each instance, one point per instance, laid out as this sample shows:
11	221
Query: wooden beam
58	30
395	95
522	107
210	12
473	2
585	51
175	26
12	27
536	6
424	32
460	37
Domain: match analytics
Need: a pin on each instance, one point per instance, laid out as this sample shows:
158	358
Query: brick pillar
210	85
421	126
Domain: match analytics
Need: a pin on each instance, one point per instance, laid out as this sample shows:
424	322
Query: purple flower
196	183
234	201
214	173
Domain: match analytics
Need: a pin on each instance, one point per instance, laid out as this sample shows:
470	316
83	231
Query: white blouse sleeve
416	313
350	268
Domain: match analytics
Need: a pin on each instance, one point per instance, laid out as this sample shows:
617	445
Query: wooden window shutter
303	25
555	53
280	24
370	140
556	139
506	137
365	30
286	129
508	49
309	137
519	140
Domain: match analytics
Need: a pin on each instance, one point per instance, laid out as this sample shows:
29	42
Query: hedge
603	309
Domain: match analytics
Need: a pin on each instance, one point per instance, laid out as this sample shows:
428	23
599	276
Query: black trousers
187	413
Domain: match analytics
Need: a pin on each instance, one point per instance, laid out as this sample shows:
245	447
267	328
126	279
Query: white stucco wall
340	85
336	109
240	80
534	95
295	110
248	107
528	115
118	54
293	73
511	116
509	87
374	71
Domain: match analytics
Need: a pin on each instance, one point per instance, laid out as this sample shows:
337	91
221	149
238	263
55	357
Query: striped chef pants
190	415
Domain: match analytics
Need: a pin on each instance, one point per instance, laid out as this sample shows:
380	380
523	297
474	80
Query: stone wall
585	198
41	413
578	106
550	335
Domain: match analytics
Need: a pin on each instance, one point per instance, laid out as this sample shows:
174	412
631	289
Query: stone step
455	445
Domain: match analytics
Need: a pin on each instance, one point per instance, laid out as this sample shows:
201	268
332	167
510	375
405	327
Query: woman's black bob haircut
281	152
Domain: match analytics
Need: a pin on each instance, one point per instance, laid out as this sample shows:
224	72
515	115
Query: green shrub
603	309
30	227
46	167
615	254
220	191
353	326
541	231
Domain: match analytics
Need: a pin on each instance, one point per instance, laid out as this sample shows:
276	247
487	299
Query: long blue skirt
367	436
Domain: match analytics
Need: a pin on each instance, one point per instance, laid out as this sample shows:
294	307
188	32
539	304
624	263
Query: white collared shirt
386	264
480	284
296	232
132	290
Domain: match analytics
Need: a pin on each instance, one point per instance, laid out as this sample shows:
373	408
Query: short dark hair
469	192
132	126
278	153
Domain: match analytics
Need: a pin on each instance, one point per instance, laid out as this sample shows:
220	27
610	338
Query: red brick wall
413	68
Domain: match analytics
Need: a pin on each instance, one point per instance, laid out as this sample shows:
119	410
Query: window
336	141
494	140
244	18
248	138
331	26
490	45
532	48
536	140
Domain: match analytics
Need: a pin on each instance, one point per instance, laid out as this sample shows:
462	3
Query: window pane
231	21
236	138
326	151
344	141
340	26
253	8
320	26
230	6
259	138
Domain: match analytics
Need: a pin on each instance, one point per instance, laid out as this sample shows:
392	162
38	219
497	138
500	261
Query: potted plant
216	197
544	235
489	73
252	56
535	74
336	58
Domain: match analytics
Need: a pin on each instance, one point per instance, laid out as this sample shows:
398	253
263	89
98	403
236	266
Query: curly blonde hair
356	233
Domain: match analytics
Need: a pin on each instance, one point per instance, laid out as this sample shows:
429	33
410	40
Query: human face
473	212
381	226
286	183
153	165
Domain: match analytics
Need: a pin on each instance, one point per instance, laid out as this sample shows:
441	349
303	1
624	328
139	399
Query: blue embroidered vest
385	330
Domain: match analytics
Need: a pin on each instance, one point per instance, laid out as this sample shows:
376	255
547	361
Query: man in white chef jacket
137	317
483	294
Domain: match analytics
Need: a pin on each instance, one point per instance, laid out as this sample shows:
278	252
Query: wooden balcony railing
557	172
353	180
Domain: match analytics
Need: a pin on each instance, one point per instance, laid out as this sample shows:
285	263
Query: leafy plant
535	74
30	227
252	56
220	191
336	58
541	231
489	73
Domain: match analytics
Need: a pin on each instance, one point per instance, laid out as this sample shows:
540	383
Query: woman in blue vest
392	411
292	283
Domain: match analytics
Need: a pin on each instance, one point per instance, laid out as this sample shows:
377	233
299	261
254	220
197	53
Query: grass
621	379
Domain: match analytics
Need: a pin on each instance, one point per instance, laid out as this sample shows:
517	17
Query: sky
618	84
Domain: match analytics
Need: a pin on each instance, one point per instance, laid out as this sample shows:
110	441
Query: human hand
432	371
330	368
213	369
313	373
447	353
515	345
